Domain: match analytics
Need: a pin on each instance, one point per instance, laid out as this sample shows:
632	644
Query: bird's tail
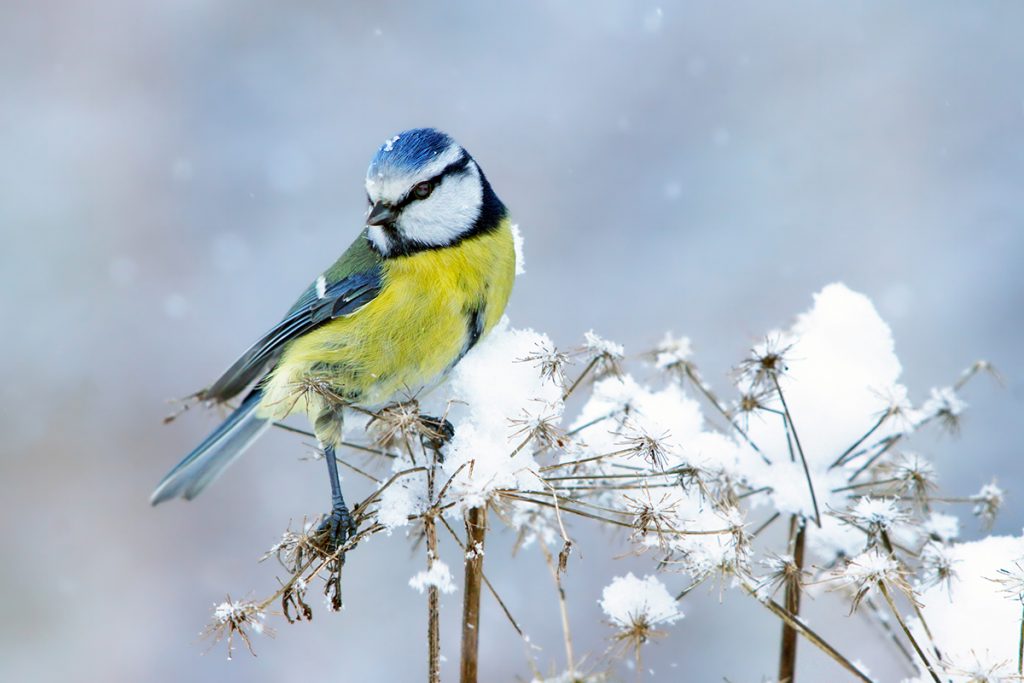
205	463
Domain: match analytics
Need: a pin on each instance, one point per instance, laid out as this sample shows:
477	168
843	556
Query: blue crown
408	151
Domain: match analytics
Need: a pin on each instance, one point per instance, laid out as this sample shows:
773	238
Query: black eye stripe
457	167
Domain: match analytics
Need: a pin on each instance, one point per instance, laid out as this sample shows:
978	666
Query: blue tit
426	279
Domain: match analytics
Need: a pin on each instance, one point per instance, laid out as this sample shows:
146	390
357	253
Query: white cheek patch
392	188
450	211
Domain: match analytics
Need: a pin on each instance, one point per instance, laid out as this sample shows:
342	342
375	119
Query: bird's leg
339	524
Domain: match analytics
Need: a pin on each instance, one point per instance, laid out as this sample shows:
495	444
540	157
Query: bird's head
425	192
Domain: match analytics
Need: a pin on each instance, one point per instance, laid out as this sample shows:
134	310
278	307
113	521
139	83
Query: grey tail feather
205	463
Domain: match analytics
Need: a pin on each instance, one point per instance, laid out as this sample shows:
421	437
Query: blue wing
313	308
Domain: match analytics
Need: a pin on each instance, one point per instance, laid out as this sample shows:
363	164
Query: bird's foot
337	528
437	432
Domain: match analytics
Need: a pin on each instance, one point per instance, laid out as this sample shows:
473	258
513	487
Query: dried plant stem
842	458
556	576
906	630
886	445
476	528
764	525
433	610
799	448
490	587
806	631
1020	647
882	620
713	400
433	597
583	375
890	546
787	648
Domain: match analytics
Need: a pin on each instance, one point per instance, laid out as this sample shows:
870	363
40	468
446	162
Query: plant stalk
476	528
787	649
808	633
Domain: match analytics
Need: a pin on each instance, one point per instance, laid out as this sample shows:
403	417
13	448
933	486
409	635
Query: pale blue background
173	174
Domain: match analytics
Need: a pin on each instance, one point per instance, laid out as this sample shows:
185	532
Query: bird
426	279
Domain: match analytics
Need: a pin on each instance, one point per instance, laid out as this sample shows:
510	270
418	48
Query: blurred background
173	174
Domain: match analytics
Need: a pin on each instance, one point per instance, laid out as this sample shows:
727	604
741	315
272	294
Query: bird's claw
337	528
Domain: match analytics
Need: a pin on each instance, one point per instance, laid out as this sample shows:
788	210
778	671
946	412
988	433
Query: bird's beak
380	214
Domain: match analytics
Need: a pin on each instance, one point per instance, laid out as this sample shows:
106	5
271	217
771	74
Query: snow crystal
439	576
599	346
672	351
628	601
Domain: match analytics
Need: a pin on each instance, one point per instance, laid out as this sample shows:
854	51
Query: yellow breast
407	337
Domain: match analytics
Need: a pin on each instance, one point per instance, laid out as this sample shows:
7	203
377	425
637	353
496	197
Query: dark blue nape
411	151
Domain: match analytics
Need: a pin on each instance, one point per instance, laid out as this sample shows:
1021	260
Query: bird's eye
423	190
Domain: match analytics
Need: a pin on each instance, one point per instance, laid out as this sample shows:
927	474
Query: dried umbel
874	569
236	618
987	503
636	608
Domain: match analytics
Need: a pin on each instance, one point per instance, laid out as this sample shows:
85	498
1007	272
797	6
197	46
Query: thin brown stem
713	400
433	596
906	630
764	525
808	633
787	648
799	448
886	626
556	576
1020	648
842	458
476	528
586	371
487	582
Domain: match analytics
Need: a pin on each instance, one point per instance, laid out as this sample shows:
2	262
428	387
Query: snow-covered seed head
783	572
987	502
945	406
980	671
606	355
652	515
874	515
941	527
751	402
637	607
641	443
869	570
1011	581
295	548
541	427
235	617
914	476
550	362
766	362
673	354
937	567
